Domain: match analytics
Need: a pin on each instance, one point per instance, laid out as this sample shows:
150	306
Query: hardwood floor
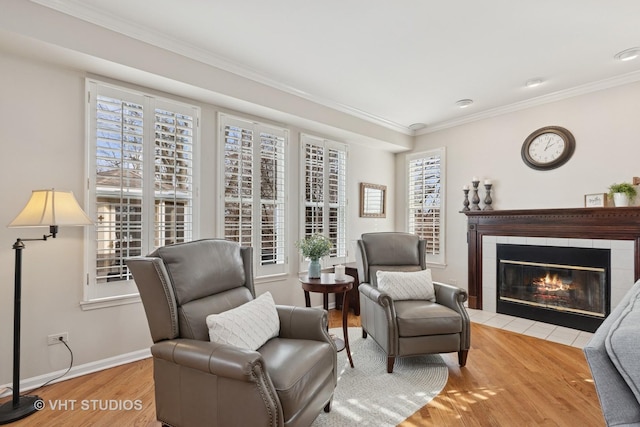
510	380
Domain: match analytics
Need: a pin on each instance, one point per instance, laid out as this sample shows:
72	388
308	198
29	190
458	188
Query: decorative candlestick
487	198
475	199
465	202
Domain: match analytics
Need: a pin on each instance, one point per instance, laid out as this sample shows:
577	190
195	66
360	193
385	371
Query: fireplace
566	286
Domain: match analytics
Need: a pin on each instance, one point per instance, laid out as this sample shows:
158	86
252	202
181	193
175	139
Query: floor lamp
46	208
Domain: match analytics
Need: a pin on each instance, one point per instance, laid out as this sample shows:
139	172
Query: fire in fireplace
565	286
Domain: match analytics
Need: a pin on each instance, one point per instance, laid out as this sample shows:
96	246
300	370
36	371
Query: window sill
109	302
269	279
436	265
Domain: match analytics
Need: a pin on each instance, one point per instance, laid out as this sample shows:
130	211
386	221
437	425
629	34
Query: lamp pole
20	406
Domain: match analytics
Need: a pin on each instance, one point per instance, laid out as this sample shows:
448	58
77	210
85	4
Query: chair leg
327	407
390	361
462	357
364	334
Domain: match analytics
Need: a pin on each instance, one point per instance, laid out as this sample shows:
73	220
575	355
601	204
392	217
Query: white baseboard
77	371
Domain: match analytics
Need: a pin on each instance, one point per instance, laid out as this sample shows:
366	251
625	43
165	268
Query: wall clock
548	148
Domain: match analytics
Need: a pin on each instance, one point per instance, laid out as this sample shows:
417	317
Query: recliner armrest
305	323
450	296
213	358
374	294
454	297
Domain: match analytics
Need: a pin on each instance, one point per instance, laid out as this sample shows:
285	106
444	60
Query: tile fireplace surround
622	262
616	229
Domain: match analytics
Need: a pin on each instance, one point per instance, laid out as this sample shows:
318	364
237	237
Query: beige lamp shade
51	207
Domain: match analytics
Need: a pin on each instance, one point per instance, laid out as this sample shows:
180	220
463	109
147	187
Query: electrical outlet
453	282
58	338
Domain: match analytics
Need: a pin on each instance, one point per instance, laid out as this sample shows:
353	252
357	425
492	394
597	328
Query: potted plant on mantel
622	193
314	247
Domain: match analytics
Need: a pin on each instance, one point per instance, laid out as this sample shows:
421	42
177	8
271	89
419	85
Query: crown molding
82	11
631	77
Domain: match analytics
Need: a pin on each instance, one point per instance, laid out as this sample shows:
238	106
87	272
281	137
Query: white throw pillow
248	326
406	285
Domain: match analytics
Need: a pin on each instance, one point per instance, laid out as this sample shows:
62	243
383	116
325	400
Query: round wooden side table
327	284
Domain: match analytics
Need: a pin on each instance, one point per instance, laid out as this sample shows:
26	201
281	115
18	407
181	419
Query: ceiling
396	63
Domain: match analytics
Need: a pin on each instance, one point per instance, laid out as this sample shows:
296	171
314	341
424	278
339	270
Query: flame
550	283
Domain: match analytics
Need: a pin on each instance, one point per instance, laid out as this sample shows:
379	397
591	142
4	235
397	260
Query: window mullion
326	206
256	177
148	185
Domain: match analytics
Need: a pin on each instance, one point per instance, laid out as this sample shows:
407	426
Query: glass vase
314	269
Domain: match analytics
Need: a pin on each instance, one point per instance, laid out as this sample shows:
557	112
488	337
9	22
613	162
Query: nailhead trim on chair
272	417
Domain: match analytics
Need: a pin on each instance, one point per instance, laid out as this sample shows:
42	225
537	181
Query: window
324	164
254	190
426	172
141	181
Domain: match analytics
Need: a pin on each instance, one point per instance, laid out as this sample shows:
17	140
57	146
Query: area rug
367	395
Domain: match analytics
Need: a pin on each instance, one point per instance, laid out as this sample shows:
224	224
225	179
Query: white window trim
307	138
96	295
439	260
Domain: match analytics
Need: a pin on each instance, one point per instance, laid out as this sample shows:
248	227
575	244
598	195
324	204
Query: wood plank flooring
510	380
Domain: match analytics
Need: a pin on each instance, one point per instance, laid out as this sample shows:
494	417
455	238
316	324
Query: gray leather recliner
411	327
286	382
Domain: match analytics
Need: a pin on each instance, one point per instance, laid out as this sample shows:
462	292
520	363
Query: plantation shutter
118	176
173	177
141	176
254	191
324	197
272	199
426	201
238	188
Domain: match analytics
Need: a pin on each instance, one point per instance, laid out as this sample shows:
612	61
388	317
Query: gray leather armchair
408	327
286	382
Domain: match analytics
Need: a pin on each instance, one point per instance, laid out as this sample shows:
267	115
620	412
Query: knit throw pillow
248	326
407	285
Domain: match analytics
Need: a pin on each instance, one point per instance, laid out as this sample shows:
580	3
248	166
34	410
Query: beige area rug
368	396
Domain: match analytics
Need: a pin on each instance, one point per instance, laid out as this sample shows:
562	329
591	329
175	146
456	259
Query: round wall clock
548	148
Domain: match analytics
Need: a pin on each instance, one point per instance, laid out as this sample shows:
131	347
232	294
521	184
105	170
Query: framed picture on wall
597	200
373	200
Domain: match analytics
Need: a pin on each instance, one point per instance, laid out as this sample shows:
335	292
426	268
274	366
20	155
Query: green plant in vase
622	193
314	247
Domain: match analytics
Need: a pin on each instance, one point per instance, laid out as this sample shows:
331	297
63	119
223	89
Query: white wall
607	131
42	120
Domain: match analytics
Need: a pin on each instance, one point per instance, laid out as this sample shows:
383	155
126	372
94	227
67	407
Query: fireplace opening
564	286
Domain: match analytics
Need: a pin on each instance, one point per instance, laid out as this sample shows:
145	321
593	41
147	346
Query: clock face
548	148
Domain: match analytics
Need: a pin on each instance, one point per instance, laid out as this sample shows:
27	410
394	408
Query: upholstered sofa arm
305	323
384	325
374	294
382	303
451	296
211	358
454	298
